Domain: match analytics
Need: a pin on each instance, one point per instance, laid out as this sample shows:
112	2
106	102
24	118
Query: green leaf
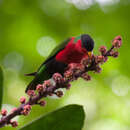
70	117
1	86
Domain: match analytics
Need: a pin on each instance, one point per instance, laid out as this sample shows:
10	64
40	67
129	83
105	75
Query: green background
30	29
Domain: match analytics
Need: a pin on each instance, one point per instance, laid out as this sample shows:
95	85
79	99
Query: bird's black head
87	42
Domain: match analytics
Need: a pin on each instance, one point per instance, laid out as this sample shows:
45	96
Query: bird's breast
71	54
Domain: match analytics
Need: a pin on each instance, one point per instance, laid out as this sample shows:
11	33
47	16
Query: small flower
26	110
118	38
40	88
47	83
27	107
14	123
59	93
13	110
73	70
3	112
42	103
79	68
115	54
31	93
22	100
68	86
50	94
72	66
57	78
98	69
116	43
99	59
44	87
105	59
68	75
86	77
103	50
86	61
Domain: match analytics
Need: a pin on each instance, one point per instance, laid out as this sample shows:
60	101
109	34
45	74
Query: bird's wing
51	56
31	74
55	51
40	75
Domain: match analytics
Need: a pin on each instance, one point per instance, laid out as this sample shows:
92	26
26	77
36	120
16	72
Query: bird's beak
90	53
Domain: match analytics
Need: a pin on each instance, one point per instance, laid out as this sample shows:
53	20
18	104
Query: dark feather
51	67
31	74
87	42
55	52
48	67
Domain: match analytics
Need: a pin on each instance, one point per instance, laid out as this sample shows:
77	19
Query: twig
73	72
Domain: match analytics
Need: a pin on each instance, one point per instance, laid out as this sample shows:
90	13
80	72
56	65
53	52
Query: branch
73	72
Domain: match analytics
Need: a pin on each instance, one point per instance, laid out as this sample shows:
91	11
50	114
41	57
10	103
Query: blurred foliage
106	99
1	86
62	119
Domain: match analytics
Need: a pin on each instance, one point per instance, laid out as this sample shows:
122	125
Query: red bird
70	51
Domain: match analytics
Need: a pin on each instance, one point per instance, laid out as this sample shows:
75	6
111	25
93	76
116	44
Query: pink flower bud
115	54
27	107
14	123
59	93
22	100
47	83
86	61
79	68
13	110
42	103
116	43
103	50
50	94
99	59
24	112
105	59
68	86
98	69
3	112
57	78
72	66
118	38
39	88
68	75
86	77
31	93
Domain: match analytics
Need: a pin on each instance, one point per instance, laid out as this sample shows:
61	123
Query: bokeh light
104	4
15	86
1	1
108	124
107	2
14	61
81	4
50	9
45	45
121	85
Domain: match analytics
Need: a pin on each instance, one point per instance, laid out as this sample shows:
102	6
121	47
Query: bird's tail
32	85
38	79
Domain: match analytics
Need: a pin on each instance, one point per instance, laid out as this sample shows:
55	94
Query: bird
72	50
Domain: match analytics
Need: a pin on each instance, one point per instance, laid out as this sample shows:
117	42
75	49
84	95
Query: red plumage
72	53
